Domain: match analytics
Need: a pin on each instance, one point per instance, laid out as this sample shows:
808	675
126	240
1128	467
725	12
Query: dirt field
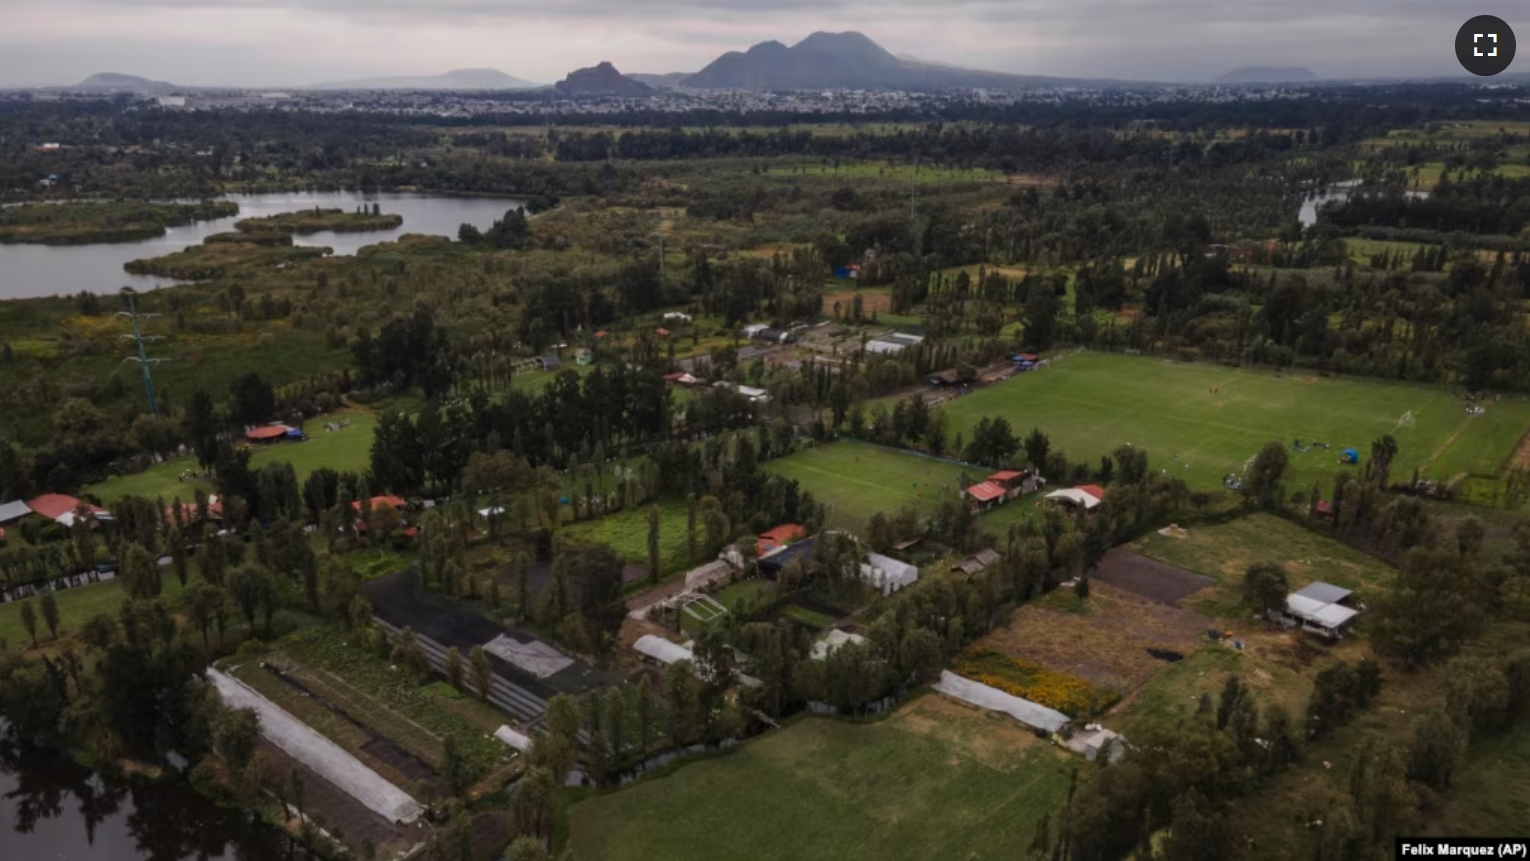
1107	641
880	302
949	722
338	813
1148	578
1520	459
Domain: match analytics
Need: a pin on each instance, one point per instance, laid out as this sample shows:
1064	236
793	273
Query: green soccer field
857	480
1091	403
935	780
348	450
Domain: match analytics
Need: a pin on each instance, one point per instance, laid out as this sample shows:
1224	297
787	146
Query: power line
138	338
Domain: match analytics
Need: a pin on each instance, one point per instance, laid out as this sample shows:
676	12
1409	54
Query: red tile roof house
1017	482
61	508
986	494
379	502
779	537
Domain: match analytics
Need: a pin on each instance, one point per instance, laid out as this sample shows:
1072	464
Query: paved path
327	759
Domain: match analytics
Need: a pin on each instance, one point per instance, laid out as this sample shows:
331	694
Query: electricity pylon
138	338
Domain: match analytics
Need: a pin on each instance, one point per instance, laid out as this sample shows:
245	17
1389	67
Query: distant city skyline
292	43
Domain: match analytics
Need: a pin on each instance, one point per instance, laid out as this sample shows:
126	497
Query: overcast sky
297	42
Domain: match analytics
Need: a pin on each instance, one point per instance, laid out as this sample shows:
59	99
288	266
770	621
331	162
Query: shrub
1068	694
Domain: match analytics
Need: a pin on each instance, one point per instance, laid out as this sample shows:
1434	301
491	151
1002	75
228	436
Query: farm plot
363	689
1202	421
934	780
1117	641
1226	550
857	480
1148	578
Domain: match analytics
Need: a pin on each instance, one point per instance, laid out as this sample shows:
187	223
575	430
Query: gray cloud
291	42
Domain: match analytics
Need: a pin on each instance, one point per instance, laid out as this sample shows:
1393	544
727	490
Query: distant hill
457	79
1267	75
844	61
601	80
112	82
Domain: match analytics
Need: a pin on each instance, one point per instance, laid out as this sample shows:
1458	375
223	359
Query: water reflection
51	807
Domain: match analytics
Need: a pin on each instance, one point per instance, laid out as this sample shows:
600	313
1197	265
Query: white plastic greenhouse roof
661	650
1023	710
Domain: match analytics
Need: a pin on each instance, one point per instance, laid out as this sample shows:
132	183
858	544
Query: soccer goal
1406	421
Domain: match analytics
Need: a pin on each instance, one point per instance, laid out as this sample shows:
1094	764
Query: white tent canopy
1075	496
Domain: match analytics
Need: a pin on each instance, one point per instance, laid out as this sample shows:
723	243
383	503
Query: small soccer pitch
933	780
857	480
1203	421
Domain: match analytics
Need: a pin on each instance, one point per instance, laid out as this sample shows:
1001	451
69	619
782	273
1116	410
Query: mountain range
844	61
457	79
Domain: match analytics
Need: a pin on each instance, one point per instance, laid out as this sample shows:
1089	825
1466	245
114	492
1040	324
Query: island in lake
319	220
265	241
87	222
202	262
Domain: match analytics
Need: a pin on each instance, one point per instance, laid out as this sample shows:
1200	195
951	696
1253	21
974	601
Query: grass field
857	480
75	608
627	533
811	618
345	450
1224	551
1492	789
934	780
1091	403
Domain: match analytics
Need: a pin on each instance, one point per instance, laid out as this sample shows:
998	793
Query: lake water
52	808
27	271
1309	213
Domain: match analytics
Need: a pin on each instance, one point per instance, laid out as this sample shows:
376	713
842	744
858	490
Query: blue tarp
295	433
1351	456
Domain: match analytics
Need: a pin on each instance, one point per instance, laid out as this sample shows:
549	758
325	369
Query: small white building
677	317
752	393
895	342
754	329
887	574
1318	608
830	643
664	653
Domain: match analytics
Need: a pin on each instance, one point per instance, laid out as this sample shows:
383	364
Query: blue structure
1349	455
